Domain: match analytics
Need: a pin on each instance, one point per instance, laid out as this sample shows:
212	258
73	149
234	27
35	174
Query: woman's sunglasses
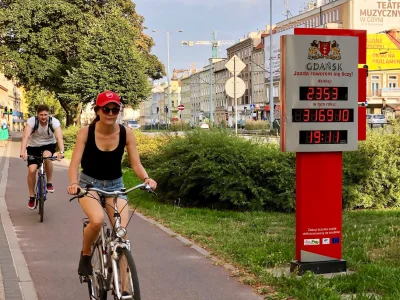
114	110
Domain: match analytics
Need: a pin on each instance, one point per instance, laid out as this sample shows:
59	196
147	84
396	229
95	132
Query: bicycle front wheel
127	278
41	198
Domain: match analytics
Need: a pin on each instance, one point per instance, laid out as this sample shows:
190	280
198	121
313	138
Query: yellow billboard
383	51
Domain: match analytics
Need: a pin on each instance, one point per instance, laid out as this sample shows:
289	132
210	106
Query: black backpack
50	127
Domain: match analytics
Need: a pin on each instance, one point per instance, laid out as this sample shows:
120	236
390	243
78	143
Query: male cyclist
40	135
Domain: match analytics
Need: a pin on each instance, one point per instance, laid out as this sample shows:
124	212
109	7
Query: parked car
376	120
133	124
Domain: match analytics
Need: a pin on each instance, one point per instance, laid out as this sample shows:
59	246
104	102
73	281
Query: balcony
390	92
375	93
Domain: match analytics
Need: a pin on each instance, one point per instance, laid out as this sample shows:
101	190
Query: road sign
181	107
235	65
252	106
230	87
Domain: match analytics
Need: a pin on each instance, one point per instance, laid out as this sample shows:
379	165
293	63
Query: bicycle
109	251
40	189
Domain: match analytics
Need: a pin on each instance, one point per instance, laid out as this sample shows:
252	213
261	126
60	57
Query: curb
25	280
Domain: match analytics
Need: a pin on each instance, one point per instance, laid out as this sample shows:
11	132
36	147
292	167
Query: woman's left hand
152	183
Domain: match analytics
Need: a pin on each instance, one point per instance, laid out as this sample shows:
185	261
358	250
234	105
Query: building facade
186	113
381	19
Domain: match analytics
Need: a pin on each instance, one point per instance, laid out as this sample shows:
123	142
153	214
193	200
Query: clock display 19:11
316	137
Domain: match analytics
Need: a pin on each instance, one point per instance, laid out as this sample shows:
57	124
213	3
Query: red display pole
319	190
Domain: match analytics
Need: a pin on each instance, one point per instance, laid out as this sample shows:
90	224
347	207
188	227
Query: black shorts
38	151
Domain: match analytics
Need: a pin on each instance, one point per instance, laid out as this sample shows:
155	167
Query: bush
371	175
70	134
179	126
147	146
216	169
256	125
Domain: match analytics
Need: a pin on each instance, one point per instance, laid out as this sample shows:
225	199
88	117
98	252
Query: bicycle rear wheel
41	198
128	281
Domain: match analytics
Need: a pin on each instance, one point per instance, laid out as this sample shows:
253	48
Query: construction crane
214	43
286	13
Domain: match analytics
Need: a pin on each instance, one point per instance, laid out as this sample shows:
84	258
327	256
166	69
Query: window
392	85
391	77
375	77
375	88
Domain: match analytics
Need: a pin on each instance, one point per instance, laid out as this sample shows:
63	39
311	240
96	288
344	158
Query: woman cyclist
99	149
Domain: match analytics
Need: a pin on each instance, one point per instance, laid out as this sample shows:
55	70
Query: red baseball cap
107	97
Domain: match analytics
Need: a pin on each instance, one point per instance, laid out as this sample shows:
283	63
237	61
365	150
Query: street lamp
168	77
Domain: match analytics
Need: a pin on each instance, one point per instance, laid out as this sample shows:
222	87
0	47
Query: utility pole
271	74
169	82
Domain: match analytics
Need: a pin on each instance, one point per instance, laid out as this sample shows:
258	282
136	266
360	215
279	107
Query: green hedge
70	133
216	169
211	168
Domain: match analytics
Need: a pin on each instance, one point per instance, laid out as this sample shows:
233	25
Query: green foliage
147	146
371	176
70	134
256	125
216	169
77	49
36	96
180	126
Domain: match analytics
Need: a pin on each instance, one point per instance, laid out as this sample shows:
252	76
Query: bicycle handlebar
83	191
41	157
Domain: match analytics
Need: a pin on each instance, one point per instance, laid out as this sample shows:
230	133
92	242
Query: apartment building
244	50
380	19
221	99
186	86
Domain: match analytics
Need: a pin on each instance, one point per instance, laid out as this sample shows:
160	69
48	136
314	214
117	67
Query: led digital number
318	137
323	93
323	115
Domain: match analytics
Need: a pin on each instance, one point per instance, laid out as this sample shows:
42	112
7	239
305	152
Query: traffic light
158	109
166	109
52	110
233	109
366	68
10	111
6	109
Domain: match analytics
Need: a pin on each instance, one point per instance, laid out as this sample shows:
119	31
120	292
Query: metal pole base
319	267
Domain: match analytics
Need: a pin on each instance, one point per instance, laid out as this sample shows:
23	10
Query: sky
231	19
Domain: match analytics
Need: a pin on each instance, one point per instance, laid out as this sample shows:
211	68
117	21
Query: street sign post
321	86
181	107
235	86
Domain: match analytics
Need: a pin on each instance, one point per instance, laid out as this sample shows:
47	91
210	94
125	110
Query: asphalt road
167	268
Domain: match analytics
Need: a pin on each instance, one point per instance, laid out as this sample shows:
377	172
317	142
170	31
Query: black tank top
103	165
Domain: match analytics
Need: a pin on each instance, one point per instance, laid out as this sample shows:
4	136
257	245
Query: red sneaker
50	188
32	203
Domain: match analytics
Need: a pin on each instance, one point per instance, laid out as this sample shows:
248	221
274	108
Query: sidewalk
10	288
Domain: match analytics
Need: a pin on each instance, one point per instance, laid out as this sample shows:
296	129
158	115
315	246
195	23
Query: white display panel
319	92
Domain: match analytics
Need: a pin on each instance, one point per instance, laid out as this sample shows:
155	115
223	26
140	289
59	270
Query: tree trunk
78	114
68	113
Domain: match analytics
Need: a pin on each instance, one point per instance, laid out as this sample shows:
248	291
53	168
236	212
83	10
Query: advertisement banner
376	16
383	51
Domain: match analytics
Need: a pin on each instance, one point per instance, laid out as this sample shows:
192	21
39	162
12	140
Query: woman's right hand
73	189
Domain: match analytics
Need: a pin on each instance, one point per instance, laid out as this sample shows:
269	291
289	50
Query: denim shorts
106	185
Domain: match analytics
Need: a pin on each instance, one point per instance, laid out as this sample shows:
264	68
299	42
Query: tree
36	96
44	43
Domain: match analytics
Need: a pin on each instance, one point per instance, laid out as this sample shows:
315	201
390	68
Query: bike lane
167	268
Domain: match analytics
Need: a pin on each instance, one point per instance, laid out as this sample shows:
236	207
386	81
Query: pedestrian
99	149
4	131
